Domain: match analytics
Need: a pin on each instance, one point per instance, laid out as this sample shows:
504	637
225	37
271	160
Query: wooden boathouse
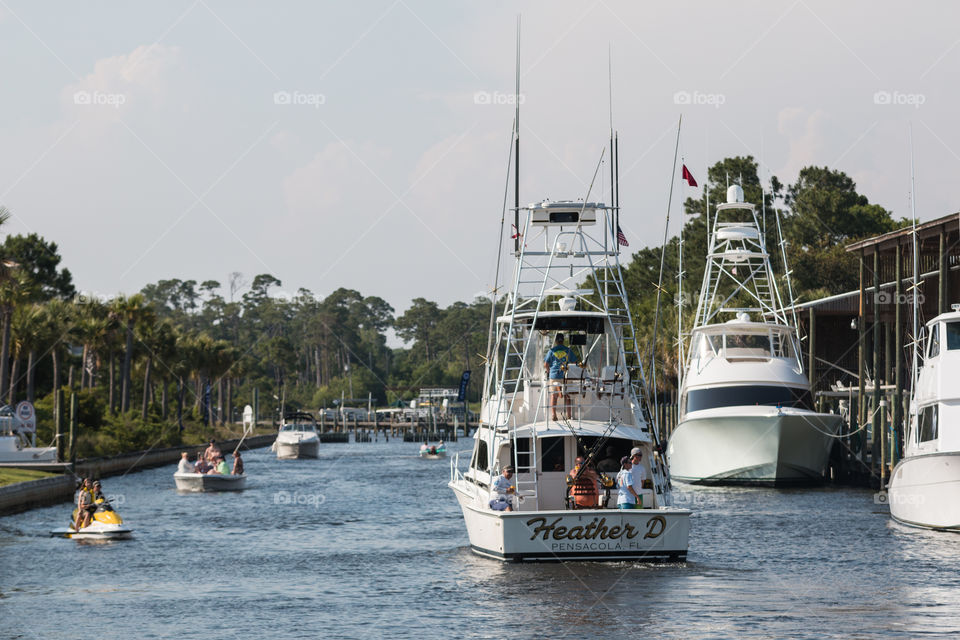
859	344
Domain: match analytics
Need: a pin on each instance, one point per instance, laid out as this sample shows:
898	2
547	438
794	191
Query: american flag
621	239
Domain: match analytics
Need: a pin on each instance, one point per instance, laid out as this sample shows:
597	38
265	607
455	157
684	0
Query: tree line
181	356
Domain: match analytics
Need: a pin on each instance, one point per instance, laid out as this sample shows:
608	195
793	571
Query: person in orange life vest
585	489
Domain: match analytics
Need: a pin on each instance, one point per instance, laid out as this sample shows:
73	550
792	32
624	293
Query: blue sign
464	381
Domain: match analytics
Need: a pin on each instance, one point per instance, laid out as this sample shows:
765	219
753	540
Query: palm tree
129	309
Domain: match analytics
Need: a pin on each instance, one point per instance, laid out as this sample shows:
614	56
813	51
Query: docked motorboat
601	409
746	413
105	525
18	438
297	437
197	482
924	488
433	451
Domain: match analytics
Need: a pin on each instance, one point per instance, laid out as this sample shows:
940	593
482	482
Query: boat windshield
747	345
298	426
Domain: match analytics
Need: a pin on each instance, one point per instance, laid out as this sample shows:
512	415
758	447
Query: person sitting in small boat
212	451
423	447
220	467
85	505
503	486
237	464
433	450
201	466
185	466
584	485
627	497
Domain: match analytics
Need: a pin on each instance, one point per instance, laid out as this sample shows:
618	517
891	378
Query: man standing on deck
555	363
639	474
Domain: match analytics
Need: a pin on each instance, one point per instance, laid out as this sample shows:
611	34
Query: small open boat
198	482
433	452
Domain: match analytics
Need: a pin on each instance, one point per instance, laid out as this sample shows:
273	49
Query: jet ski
105	525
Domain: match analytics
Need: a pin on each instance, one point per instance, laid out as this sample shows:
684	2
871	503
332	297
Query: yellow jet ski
105	525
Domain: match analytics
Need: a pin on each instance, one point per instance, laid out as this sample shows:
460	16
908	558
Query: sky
364	144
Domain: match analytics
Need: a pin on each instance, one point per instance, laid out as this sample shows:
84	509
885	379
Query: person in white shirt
503	487
639	473
627	497
185	466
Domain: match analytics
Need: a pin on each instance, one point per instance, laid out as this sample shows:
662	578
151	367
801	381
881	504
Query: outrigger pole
516	149
663	252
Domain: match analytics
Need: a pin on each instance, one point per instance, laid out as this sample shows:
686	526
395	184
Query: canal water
368	542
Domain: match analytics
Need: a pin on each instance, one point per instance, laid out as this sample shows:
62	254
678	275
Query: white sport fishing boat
297	437
746	413
924	488
562	248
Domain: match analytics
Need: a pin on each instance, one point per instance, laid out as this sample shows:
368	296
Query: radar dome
734	193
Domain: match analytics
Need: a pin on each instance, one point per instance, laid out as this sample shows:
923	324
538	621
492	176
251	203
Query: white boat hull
756	446
11	451
433	456
650	535
924	491
197	482
96	531
302	449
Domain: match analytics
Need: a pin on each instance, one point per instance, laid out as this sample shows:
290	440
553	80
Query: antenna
516	149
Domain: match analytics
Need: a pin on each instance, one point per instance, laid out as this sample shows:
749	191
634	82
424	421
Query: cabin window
953	336
481	457
551	458
523	454
934	342
747	345
748	395
929	427
782	345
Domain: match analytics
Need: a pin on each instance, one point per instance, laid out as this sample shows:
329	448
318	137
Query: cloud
807	137
119	82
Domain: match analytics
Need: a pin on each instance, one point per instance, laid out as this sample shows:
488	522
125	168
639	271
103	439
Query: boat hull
647	535
924	491
763	448
433	456
96	531
293	450
198	482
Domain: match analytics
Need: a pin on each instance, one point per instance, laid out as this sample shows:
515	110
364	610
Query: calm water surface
368	542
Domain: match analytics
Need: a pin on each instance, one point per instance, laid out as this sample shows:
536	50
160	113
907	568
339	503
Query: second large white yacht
924	488
746	414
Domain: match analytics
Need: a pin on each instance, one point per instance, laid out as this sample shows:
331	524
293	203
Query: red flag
688	177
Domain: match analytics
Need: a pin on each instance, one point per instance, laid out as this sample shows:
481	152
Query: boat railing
455	473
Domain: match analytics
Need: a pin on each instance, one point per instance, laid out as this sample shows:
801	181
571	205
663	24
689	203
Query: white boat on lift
18	438
924	487
298	437
746	413
565	246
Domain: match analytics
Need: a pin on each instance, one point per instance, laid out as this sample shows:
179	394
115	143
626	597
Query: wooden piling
73	428
898	357
876	458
